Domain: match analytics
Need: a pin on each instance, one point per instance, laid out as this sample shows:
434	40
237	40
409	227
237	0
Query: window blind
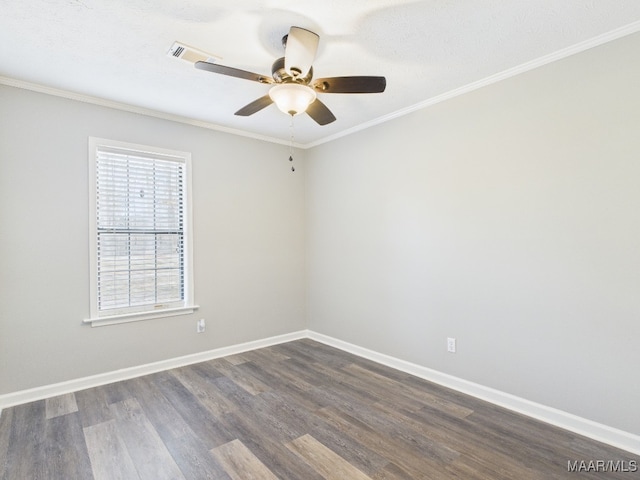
140	231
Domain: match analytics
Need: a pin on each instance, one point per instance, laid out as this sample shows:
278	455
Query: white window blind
140	231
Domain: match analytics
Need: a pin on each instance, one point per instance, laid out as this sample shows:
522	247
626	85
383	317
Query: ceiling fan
293	89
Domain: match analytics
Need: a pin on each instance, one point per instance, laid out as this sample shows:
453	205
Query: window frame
99	318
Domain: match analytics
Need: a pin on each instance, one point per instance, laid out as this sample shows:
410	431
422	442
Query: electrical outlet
451	345
200	326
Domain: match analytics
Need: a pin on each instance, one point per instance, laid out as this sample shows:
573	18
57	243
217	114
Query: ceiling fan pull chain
291	144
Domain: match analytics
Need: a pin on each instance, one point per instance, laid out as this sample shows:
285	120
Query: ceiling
427	50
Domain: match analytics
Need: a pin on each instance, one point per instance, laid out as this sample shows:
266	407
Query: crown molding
495	78
510	72
80	97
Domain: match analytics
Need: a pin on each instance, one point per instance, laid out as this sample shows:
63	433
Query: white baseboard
582	426
48	391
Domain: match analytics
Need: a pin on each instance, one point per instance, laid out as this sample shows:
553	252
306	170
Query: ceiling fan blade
300	51
232	72
255	106
320	113
350	84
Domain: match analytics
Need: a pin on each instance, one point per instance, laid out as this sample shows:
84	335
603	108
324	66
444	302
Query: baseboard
48	391
582	426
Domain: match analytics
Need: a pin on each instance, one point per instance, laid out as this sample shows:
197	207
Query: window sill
136	317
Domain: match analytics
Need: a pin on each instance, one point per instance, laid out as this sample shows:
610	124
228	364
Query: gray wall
508	218
248	242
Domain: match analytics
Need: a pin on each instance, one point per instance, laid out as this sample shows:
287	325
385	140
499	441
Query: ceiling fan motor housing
280	74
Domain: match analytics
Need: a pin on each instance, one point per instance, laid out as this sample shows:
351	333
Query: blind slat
140	228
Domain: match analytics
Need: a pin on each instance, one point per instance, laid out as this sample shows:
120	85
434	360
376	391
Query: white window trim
97	319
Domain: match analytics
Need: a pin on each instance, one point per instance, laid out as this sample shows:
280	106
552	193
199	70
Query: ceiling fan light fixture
292	98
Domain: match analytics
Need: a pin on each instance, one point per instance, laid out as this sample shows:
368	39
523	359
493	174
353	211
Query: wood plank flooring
300	411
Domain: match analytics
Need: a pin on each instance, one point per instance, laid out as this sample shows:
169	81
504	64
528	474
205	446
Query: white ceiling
117	50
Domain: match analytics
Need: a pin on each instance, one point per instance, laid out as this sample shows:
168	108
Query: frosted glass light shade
292	98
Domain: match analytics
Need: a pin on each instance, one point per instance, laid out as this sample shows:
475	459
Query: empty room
301	240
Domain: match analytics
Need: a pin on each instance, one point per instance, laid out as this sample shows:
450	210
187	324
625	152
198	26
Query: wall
248	242
507	218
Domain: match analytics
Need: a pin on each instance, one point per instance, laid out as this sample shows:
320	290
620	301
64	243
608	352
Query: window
140	232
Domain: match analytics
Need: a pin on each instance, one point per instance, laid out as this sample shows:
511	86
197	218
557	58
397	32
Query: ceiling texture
114	52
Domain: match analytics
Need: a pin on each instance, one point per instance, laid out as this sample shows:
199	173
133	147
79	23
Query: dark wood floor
299	410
